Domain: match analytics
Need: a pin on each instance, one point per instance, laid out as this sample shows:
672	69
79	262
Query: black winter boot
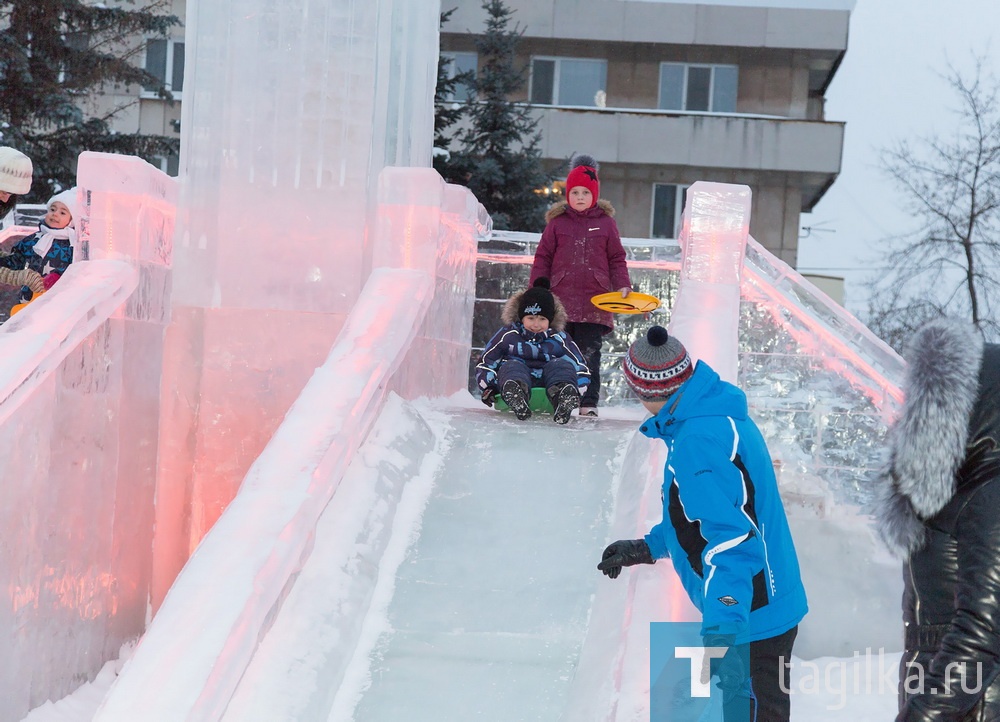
566	399
513	395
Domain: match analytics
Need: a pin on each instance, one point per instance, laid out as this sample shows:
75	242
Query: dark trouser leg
588	337
558	371
514	369
770	677
559	377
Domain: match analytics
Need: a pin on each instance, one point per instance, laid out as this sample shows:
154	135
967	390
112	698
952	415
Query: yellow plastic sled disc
633	303
20	306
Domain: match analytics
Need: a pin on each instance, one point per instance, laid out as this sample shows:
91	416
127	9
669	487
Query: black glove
488	395
730	670
624	554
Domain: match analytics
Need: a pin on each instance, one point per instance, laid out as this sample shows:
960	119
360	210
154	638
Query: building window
685	86
165	61
168	164
668	202
78	43
568	81
459	64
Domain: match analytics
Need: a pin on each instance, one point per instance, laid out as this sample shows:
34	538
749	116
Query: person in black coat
940	511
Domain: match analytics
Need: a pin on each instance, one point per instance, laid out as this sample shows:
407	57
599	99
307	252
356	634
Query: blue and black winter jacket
50	266
724	526
22	255
535	349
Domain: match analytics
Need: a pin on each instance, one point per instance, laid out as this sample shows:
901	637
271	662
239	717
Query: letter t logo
700	686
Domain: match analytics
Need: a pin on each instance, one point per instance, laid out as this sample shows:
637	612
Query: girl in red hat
581	253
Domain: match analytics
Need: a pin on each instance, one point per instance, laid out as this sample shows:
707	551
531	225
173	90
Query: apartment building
141	109
666	93
662	92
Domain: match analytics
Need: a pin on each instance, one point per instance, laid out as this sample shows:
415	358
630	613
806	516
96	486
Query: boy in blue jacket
724	526
533	350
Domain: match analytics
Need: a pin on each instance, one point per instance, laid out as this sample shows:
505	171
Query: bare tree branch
951	184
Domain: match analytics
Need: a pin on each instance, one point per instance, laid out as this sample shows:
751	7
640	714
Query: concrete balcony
809	149
813	25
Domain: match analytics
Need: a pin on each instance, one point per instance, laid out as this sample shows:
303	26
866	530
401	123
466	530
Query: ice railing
820	384
407	333
79	387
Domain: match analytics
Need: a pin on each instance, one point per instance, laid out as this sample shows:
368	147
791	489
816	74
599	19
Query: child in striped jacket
532	349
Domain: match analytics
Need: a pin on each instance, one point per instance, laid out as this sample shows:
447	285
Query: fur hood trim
509	314
557	209
927	444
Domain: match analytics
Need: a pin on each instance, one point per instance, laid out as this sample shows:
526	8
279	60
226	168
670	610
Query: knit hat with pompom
537	301
656	365
583	172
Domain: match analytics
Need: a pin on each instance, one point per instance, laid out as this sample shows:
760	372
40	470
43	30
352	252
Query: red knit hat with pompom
583	172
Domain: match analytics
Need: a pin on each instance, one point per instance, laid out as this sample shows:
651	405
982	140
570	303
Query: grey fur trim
509	313
558	208
927	443
899	527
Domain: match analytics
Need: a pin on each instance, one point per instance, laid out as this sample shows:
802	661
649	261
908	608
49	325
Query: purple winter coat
582	256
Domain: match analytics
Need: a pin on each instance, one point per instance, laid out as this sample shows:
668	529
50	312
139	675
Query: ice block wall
706	312
409	332
79	388
429	225
129	213
291	111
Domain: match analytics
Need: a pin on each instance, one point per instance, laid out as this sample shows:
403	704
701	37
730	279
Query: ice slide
203	656
262	621
486	581
384	555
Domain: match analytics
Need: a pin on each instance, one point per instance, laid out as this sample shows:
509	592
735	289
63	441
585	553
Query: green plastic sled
538	401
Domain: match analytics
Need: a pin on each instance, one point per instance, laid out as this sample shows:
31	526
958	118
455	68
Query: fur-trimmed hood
557	209
509	313
926	446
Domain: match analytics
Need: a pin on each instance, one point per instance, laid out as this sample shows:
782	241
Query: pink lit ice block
408	218
424	223
706	312
74	529
128	208
204	635
128	211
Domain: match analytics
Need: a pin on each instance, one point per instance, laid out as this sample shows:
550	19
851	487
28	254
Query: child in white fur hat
38	261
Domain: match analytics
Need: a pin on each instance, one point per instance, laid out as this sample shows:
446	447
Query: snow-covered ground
483	593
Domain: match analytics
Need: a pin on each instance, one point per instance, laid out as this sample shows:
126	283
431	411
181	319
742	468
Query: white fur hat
67	198
15	171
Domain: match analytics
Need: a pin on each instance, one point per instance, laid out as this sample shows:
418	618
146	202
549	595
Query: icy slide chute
201	640
414	314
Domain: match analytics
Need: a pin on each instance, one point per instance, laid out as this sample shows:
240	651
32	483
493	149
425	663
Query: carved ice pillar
428	225
706	312
291	109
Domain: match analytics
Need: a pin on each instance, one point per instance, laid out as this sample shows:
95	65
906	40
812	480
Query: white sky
889	87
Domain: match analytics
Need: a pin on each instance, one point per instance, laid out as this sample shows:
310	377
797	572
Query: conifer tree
447	112
499	154
54	55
